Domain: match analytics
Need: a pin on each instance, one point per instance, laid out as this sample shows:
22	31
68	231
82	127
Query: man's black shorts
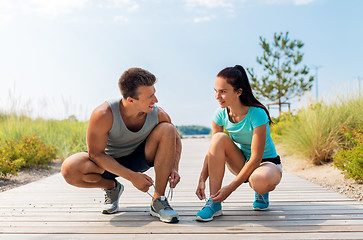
136	162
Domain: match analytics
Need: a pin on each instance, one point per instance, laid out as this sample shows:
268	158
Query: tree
284	77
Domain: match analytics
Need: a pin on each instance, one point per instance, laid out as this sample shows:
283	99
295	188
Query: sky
62	58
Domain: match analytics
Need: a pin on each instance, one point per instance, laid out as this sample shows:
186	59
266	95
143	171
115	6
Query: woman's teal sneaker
261	201
210	210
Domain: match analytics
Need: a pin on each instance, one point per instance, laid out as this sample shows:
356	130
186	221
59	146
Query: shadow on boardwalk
52	209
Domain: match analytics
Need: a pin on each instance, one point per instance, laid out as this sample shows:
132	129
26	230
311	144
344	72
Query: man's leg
160	149
78	170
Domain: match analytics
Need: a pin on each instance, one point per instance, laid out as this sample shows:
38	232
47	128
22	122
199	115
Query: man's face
146	99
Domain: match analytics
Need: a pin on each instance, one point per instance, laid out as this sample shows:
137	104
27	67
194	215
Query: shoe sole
216	214
155	214
260	209
116	210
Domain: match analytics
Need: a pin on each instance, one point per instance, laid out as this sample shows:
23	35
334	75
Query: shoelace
260	198
169	193
209	202
108	196
166	205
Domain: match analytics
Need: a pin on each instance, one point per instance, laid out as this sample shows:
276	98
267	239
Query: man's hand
201	190
222	194
174	178
142	181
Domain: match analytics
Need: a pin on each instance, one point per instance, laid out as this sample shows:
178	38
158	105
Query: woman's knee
219	138
261	184
264	180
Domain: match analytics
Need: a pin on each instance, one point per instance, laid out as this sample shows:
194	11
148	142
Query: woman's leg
222	151
265	178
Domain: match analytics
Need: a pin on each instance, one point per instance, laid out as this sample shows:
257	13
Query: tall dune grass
69	136
314	132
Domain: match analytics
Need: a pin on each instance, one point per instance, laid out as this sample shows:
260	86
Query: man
125	138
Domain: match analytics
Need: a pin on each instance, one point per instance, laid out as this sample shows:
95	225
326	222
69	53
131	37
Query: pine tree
284	77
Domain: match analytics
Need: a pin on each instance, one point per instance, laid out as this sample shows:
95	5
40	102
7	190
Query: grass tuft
314	131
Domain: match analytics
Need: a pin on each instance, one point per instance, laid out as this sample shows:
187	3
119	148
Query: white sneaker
111	198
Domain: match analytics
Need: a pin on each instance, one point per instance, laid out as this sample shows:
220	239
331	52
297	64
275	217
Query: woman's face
224	93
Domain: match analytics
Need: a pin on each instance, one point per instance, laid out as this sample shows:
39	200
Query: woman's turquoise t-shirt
241	133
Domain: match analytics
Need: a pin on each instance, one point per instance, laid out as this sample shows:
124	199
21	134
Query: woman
248	151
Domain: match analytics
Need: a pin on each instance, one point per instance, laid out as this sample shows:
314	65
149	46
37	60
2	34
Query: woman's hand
201	190
222	194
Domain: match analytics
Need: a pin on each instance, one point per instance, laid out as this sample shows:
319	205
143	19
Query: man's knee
71	169
165	129
67	171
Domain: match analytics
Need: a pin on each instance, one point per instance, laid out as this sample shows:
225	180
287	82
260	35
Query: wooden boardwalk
51	209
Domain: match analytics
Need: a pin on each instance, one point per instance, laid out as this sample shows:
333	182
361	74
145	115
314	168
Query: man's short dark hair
133	78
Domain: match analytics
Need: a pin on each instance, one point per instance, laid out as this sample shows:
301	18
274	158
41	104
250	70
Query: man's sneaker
111	198
210	210
160	208
261	201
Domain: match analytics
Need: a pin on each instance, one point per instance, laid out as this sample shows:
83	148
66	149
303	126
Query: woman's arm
204	173
257	150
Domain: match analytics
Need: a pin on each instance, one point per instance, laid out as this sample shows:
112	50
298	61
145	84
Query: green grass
314	132
68	136
26	142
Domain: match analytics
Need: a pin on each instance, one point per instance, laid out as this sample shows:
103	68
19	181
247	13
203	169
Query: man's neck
128	111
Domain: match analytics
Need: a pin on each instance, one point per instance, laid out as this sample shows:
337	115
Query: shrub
9	167
350	158
24	152
280	124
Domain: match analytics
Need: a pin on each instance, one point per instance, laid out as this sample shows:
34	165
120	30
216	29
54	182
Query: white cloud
133	8
131	5
5	4
208	3
55	8
120	3
295	2
120	18
204	19
4	18
303	2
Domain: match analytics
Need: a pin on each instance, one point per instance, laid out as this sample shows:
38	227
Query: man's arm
97	133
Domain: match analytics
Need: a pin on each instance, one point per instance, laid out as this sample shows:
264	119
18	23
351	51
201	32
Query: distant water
196	136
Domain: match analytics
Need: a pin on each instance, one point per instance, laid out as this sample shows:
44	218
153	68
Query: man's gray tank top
121	141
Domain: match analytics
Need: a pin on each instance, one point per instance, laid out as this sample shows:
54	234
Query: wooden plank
52	209
149	228
259	236
184	217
